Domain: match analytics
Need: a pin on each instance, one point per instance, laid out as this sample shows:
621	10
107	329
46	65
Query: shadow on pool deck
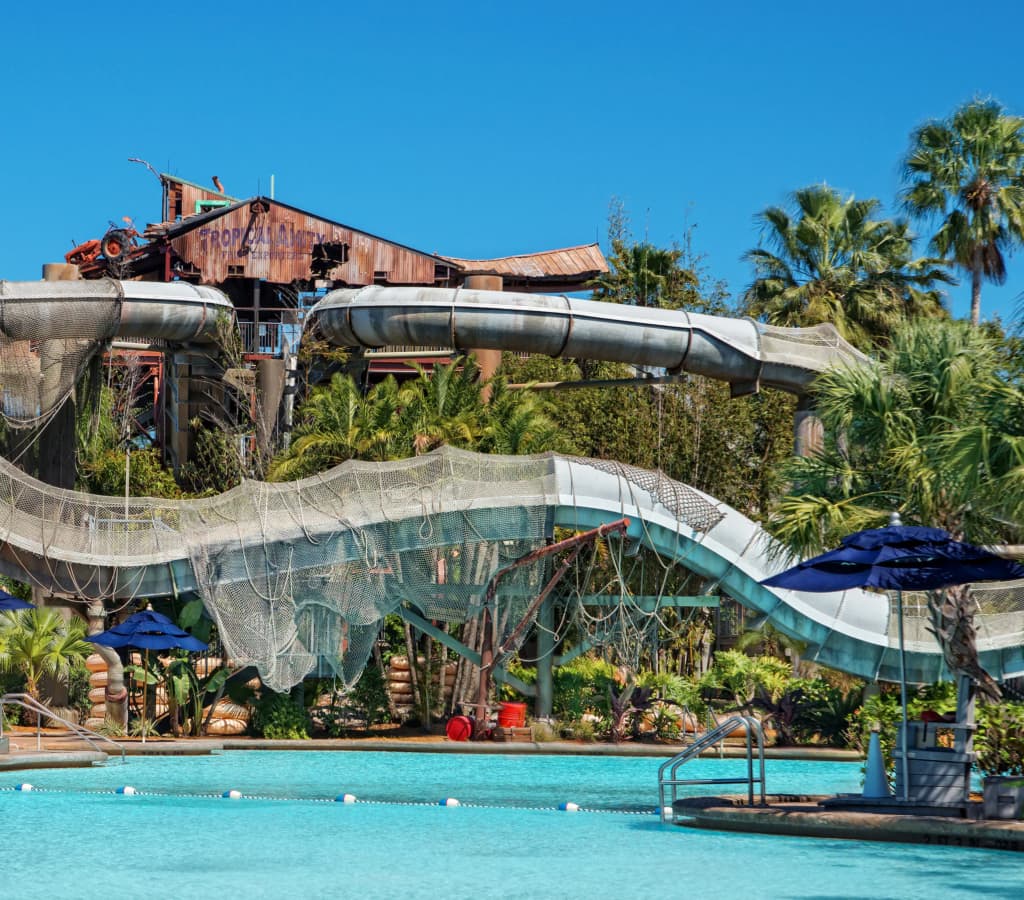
803	816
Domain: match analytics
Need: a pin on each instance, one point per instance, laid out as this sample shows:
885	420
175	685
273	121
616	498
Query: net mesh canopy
299	576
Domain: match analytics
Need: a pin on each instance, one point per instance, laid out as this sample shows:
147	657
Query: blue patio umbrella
899	558
147	630
9	602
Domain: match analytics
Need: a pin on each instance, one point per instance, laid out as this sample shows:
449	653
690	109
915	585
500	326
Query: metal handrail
752	729
27	701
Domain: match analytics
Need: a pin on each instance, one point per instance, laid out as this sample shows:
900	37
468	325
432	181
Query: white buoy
665	812
569	807
345	798
23	787
232	795
127	790
449	801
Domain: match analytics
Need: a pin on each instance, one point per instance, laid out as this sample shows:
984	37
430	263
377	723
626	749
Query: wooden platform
513	735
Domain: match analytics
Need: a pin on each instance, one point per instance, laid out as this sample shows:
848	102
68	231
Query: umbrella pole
145	685
904	762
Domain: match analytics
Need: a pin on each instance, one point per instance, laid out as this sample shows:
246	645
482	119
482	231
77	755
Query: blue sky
484	129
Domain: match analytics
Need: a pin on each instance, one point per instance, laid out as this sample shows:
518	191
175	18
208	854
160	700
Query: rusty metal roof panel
581	262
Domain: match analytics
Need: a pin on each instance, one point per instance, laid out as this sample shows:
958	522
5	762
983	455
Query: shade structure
147	630
899	558
9	602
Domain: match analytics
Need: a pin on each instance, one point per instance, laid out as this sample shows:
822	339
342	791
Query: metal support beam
650	602
454	644
544	704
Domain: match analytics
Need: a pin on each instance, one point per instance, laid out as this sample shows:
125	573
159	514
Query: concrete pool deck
802	816
23	748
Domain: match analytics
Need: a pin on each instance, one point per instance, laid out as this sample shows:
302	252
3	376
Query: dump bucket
459	728
512	715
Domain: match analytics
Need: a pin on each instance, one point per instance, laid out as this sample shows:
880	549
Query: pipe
745	353
175	311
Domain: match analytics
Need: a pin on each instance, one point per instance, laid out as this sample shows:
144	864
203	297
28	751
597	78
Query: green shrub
278	717
883	710
1000	739
581	687
370	696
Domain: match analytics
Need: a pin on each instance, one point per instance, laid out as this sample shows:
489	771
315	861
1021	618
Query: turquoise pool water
73	837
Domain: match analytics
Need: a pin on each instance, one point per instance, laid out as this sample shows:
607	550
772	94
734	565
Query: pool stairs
669	783
75	731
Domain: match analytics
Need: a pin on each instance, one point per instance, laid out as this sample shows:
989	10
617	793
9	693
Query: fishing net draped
300	576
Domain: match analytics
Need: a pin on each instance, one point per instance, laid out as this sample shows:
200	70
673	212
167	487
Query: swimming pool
74	836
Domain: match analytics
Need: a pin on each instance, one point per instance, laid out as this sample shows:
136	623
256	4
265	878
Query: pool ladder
26	701
667	773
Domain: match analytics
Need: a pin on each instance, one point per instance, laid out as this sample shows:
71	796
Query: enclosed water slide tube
745	353
101	310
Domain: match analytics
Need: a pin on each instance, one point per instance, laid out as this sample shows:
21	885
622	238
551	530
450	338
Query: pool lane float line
348	799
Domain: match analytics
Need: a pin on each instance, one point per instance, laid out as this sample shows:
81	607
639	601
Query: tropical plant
581	687
1000	740
442	405
369	696
147	476
643	274
746	678
40	643
829	260
827	713
967	173
919	432
278	717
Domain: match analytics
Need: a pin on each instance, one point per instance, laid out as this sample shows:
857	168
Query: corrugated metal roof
584	260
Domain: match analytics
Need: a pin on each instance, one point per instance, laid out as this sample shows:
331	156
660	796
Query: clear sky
484	129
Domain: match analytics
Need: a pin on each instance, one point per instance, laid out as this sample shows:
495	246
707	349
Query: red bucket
512	715
459	728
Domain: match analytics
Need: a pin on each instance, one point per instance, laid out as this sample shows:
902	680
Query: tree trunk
116	692
976	289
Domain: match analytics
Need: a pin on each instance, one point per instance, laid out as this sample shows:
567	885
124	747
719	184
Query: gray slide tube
175	311
745	353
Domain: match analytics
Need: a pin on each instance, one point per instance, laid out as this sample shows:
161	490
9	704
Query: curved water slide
94	546
745	353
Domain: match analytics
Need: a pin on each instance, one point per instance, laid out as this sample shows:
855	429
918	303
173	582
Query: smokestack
218	185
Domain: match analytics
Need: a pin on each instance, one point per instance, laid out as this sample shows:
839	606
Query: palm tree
934	430
967	172
39	643
645	275
338	423
828	260
443	406
517	423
